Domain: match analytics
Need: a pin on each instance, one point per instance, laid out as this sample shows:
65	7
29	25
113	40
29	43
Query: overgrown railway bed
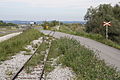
38	71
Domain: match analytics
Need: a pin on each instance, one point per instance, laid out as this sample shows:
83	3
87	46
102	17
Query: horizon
39	20
45	10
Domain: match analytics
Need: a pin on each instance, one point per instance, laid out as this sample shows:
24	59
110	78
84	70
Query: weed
48	67
9	73
83	61
37	58
27	53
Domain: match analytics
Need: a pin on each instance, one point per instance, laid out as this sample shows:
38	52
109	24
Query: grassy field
82	60
10	47
97	37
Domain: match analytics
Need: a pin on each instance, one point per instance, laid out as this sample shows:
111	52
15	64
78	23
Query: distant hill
39	22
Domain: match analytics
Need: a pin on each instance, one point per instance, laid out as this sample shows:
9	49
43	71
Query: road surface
107	53
8	36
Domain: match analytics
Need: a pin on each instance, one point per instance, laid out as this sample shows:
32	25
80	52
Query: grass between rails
37	58
83	61
10	47
96	37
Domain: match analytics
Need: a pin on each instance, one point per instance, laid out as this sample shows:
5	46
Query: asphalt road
8	36
10	31
109	54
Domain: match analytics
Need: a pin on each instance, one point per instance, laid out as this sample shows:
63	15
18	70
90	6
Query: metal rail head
41	76
15	76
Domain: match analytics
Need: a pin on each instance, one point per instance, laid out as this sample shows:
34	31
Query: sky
40	10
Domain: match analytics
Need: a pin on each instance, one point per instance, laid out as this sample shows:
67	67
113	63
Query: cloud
47	9
61	3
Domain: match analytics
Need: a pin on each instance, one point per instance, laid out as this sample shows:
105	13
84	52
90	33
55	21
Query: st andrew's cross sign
106	24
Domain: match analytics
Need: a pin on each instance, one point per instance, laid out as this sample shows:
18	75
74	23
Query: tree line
51	23
104	12
6	24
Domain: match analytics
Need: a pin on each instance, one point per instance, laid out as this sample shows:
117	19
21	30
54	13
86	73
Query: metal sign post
106	24
106	32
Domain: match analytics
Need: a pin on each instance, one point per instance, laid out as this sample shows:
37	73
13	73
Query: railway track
38	70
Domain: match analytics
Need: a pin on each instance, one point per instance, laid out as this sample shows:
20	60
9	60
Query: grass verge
10	47
2	35
82	60
96	37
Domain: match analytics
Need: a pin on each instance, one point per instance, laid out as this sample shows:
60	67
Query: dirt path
107	53
6	37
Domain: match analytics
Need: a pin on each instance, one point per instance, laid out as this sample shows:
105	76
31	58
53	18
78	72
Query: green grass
96	37
82	60
2	35
53	51
37	58
48	67
10	47
27	53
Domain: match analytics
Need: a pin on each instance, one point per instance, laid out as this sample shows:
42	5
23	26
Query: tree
1	21
6	24
104	12
51	24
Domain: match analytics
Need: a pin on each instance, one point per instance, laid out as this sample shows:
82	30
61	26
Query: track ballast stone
60	73
10	67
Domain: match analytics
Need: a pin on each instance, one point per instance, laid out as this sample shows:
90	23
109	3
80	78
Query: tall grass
83	61
96	37
10	47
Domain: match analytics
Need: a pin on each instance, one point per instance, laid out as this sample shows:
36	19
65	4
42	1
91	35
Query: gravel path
109	54
6	37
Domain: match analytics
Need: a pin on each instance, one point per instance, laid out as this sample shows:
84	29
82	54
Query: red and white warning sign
106	23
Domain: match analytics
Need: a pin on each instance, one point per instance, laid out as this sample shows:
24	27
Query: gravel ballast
10	67
60	73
